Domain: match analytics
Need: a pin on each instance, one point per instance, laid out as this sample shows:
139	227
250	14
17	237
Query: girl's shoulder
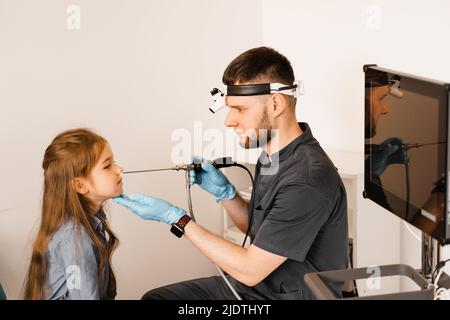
68	234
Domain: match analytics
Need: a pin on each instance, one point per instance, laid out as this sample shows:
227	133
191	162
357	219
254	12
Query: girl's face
105	179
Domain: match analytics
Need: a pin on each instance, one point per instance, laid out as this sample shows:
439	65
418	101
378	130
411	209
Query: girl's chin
117	193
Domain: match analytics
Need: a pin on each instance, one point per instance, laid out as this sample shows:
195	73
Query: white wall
134	72
328	42
137	70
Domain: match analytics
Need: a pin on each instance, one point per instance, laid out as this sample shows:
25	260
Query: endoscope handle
218	163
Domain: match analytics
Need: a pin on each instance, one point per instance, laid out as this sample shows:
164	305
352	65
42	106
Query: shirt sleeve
296	217
77	258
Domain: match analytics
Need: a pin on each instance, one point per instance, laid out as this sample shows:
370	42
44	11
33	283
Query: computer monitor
406	150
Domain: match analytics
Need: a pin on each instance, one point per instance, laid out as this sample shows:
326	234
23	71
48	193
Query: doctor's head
253	117
376	90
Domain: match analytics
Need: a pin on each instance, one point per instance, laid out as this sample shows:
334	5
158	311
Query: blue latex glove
151	208
213	181
392	152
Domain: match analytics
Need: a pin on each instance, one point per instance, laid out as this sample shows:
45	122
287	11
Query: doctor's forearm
230	257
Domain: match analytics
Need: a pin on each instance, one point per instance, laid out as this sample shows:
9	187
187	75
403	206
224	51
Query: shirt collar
98	219
304	138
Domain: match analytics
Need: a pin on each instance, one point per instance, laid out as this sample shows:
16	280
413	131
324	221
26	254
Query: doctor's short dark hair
261	62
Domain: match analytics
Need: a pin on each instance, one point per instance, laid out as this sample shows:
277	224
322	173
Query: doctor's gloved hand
212	180
391	151
151	208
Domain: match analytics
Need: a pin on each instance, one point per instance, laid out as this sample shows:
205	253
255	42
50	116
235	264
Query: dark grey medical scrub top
300	212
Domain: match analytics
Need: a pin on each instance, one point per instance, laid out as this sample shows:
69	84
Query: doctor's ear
279	104
80	185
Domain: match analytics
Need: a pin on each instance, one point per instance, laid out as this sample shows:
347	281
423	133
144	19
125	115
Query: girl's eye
110	164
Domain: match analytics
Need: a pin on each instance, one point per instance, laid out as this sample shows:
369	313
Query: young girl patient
72	252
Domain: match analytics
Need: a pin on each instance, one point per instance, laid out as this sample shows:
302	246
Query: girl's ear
80	186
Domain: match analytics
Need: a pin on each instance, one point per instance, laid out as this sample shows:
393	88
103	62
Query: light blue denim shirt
73	263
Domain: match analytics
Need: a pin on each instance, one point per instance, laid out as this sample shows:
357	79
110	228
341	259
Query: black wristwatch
178	227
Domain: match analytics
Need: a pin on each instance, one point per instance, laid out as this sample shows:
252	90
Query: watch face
176	231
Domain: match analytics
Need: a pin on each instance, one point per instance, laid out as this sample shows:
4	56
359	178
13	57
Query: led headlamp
394	87
251	90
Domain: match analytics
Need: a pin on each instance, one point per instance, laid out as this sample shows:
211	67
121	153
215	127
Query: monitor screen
406	154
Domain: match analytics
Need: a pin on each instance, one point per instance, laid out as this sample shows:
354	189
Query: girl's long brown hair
71	154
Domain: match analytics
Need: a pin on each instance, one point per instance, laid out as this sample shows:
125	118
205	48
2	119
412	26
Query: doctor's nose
230	120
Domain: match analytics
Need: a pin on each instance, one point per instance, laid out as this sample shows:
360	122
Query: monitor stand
316	281
430	255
